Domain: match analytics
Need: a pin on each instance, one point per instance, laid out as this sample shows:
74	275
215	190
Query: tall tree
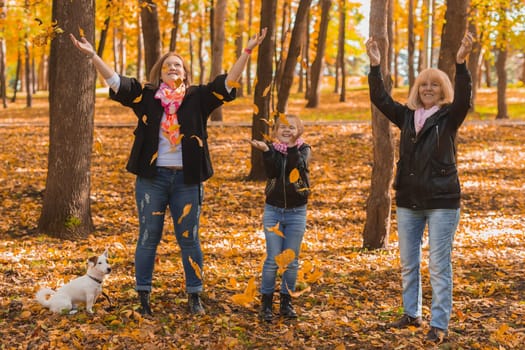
294	51
453	30
378	204
175	25
501	59
150	33
262	93
341	51
217	47
411	44
239	42
474	59
317	65
66	211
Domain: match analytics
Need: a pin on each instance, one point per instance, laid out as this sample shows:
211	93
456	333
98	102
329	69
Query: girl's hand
372	50
465	48
83	45
256	40
260	145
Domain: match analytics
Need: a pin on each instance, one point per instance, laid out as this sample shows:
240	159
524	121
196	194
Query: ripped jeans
153	196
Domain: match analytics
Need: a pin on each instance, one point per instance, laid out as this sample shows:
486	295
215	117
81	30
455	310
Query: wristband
248	51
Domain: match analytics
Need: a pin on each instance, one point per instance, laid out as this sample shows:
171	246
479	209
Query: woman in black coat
170	156
426	183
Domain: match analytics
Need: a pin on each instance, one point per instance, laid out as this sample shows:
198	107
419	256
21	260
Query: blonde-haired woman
426	183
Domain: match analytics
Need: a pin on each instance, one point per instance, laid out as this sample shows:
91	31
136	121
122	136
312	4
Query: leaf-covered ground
346	308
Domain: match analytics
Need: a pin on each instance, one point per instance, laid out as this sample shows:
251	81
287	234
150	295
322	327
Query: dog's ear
92	261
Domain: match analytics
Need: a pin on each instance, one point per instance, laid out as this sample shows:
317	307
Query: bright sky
365	10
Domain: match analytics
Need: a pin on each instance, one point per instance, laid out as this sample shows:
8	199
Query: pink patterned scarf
171	98
421	115
283	147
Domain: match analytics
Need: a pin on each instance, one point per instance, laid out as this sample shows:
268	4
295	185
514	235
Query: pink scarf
421	115
171	98
283	147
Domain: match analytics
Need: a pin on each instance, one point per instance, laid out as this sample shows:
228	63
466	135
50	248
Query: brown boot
406	321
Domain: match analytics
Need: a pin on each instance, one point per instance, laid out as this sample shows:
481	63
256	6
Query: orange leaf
265	92
186	234
275	229
154	157
266	137
138	99
233	84
185	212
198	140
196	268
255	109
81	32
294	175
145	119
248	296
284	259
219	96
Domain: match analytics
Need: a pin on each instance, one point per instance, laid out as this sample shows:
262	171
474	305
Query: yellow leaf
232	284
198	140
81	32
299	293
265	92
233	84
153	158
255	81
137	100
255	109
248	296
25	314
275	229
284	259
283	119
186	234
219	96
314	276
266	137
185	212
145	119
294	175
268	122
196	268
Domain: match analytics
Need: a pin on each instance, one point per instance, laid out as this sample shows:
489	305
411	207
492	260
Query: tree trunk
174	29
411	44
262	94
239	41
249	63
294	51
378	204
317	65
453	30
66	209
140	49
3	83
151	34
28	80
17	75
104	32
217	48
341	49
474	62
502	83
488	78
282	49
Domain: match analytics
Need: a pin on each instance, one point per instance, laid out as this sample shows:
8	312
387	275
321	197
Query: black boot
286	308
195	305
144	303
266	309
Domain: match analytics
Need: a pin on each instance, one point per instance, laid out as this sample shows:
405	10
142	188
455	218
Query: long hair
431	74
156	70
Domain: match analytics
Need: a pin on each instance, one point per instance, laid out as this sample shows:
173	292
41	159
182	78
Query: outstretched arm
86	48
236	71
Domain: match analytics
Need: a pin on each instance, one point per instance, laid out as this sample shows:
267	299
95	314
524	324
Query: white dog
85	289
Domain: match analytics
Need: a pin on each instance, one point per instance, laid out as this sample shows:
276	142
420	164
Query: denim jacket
280	191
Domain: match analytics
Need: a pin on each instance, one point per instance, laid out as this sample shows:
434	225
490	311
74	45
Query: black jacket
280	192
427	175
193	113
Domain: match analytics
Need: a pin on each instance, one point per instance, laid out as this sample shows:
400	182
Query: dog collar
95	279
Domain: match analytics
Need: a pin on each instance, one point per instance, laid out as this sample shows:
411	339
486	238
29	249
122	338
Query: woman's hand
260	145
83	45
465	48
256	40
372	50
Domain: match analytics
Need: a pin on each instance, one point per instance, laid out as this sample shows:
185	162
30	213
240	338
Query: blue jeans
442	225
153	196
292	223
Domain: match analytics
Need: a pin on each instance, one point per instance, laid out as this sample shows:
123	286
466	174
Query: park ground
347	294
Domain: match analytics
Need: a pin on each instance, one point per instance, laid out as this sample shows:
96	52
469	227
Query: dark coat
280	192
193	113
427	174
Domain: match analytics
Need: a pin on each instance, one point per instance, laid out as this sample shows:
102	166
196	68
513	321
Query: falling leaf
248	296
145	119
185	212
138	99
284	259
219	96
314	276
299	293
186	234
275	229
233	84
153	157
255	109
196	268
265	92
232	284
266	137
268	122
198	140
255	81
294	175
81	32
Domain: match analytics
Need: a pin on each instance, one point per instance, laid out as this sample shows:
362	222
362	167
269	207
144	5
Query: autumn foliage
345	295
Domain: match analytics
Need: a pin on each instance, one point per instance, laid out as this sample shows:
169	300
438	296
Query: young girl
287	189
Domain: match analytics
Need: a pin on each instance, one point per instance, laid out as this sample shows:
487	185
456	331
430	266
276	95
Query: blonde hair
283	118
156	71
432	74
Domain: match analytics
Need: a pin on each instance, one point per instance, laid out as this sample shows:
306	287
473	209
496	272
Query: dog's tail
41	296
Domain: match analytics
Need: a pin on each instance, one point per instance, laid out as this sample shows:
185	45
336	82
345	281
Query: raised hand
83	45
465	48
372	50
260	145
256	39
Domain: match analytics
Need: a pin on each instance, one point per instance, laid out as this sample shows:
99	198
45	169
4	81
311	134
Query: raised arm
372	50
236	71
465	48
86	48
